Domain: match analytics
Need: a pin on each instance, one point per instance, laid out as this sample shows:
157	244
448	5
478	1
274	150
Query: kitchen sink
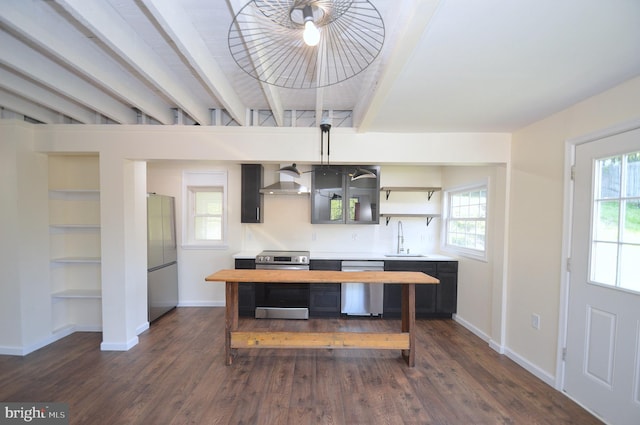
404	255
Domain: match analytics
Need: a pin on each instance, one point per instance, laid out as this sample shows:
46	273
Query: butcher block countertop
319	276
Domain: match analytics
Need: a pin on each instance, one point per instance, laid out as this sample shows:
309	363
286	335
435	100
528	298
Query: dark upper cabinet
337	199
252	201
431	300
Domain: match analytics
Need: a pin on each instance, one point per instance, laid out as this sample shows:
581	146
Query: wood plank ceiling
446	65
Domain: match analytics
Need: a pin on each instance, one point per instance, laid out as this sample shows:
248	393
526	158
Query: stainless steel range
282	300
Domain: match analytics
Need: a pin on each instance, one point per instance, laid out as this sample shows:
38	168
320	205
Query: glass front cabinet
340	196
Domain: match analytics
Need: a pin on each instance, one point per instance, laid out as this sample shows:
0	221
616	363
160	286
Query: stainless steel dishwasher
362	299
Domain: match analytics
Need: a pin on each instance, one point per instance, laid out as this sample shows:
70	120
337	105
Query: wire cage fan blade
265	40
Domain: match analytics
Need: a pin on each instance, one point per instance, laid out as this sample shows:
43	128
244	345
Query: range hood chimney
285	186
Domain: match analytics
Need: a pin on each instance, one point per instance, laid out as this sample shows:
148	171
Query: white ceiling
447	65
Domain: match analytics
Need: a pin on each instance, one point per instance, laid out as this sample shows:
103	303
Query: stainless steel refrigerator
162	256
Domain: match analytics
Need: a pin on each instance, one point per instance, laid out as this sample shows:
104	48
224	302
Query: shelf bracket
429	220
388	193
429	195
387	219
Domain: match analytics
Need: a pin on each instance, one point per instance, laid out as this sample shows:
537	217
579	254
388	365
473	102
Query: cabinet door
246	291
363	197
252	201
324	299
327	195
425	294
336	199
447	297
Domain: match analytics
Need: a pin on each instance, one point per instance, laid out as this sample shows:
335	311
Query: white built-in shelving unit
74	230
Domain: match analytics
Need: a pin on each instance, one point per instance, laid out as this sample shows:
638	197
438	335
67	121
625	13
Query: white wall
24	244
481	284
287	222
536	214
121	149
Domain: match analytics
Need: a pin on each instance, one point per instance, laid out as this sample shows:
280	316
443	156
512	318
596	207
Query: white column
123	244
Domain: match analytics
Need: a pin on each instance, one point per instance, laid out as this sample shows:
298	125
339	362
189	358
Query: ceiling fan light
311	34
290	170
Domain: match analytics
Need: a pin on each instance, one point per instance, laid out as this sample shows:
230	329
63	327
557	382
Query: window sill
467	253
204	247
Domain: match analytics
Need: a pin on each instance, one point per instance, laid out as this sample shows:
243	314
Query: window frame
458	249
204	181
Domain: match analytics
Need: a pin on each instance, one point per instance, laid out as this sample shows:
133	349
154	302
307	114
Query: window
615	240
466	221
205	210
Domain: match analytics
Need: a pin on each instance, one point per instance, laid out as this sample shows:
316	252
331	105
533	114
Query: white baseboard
476	331
143	327
497	347
11	351
201	304
115	346
547	378
530	367
55	336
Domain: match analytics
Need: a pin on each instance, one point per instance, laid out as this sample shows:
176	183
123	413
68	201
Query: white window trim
456	250
203	179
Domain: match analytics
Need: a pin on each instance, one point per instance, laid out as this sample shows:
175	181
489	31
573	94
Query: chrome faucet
400	249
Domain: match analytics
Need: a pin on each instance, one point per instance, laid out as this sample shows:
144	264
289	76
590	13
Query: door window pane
633	175
607	215
615	248
604	263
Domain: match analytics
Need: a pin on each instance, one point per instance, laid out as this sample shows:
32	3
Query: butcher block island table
403	340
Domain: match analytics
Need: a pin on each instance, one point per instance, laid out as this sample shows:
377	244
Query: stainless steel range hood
285	186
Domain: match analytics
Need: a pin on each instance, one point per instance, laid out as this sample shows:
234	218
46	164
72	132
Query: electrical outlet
535	321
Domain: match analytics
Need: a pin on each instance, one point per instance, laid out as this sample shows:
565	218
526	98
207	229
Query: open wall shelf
429	217
429	190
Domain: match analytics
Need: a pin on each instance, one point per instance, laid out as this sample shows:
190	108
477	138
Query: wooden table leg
409	321
231	319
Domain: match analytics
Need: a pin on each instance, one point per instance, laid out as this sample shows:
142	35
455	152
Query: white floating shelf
90	260
78	293
429	217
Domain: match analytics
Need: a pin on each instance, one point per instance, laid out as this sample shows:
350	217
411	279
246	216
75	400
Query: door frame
567	222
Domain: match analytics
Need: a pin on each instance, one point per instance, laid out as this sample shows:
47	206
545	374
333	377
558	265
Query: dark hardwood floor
176	375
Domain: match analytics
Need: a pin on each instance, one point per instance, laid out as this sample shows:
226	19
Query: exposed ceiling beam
271	92
41	96
117	34
28	108
21	58
415	18
40	25
175	22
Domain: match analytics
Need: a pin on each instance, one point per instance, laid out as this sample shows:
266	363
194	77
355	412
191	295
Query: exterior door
602	363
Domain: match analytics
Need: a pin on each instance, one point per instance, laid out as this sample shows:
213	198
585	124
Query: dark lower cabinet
324	298
431	300
246	291
447	289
